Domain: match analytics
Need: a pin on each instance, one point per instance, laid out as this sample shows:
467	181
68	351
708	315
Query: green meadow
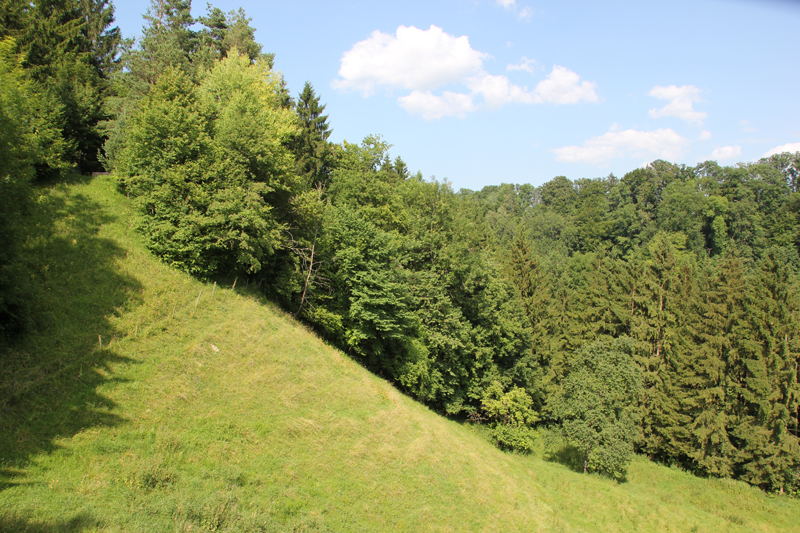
146	400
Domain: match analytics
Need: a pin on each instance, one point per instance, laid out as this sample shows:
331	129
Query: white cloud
526	65
498	91
658	144
681	103
526	13
705	135
422	60
563	86
412	59
432	107
791	147
726	153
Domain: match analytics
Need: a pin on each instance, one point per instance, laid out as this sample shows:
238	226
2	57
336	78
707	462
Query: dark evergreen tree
225	31
313	154
768	392
168	41
530	279
662	318
717	368
70	50
29	137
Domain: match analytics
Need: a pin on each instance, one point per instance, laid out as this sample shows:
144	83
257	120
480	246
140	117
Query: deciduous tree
598	406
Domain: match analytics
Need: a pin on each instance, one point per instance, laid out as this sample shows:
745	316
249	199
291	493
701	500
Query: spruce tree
226	31
167	41
656	323
717	368
529	277
769	393
69	49
313	154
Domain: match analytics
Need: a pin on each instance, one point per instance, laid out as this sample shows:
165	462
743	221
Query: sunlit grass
218	412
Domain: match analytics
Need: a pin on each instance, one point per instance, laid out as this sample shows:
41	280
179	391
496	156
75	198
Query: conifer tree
529	278
768	392
313	154
716	368
224	32
167	41
565	326
29	137
657	323
604	313
69	48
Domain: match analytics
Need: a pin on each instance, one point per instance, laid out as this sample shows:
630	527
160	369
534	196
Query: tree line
656	313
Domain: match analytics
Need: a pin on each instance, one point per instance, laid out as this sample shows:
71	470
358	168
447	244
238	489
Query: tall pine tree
768	390
69	48
313	154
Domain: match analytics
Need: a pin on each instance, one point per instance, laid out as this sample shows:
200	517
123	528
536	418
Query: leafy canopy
598	405
208	166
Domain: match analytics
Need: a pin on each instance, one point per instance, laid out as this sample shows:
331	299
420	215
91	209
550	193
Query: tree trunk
310	271
586	459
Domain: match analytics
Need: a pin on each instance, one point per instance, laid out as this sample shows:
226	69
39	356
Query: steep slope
148	401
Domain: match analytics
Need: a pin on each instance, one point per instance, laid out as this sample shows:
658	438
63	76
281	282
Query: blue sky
483	92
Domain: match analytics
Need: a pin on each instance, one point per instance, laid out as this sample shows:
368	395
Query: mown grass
220	413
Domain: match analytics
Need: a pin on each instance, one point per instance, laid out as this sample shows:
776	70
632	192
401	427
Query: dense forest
654	313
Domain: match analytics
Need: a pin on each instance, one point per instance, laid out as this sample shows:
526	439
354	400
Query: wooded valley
656	313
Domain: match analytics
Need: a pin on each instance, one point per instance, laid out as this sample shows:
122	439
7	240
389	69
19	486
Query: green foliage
170	40
484	301
313	154
661	291
512	408
372	301
598	406
511	417
208	168
651	257
766	414
679	212
743	416
529	276
226	32
365	180
29	138
69	48
395	279
231	416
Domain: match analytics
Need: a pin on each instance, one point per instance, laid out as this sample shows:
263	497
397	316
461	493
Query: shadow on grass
50	377
559	450
80	522
566	455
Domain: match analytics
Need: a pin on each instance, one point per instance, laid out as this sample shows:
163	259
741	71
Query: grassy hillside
145	400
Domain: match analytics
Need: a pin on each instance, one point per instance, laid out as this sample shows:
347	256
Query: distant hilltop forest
656	313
